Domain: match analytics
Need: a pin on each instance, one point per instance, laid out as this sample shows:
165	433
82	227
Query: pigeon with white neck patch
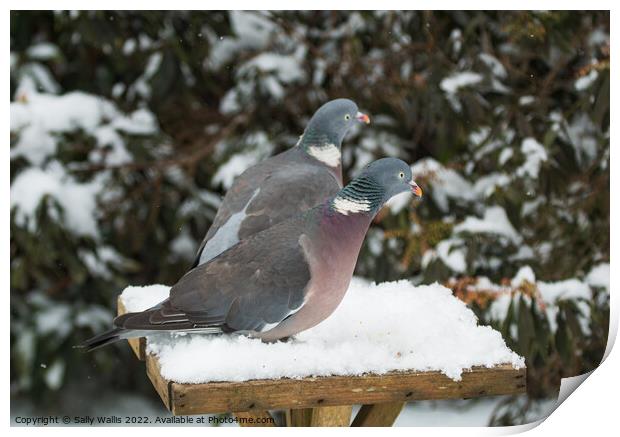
286	184
281	281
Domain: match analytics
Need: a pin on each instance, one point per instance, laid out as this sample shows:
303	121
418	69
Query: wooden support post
384	414
320	416
299	417
331	416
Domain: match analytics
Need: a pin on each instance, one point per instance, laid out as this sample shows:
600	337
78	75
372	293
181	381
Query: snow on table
376	329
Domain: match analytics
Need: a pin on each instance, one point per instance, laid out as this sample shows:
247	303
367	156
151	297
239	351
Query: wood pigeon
286	184
282	280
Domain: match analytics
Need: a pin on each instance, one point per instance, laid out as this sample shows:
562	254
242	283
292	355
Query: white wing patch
270	326
345	206
227	235
305	245
328	154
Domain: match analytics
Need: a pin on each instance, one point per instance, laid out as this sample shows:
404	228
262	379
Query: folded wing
259	281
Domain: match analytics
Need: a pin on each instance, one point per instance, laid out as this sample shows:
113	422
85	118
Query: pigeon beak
415	189
362	118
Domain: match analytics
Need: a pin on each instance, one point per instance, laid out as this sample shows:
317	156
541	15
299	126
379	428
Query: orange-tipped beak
362	118
415	189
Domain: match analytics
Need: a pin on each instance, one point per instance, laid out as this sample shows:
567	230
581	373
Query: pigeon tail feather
103	339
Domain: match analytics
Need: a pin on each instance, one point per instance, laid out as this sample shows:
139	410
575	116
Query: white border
590	410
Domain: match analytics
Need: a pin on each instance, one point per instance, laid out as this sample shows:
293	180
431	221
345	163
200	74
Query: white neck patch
345	206
328	154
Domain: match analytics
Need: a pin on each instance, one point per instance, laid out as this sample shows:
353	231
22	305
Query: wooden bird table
325	401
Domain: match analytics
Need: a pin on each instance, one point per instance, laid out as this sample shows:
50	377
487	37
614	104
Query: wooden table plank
263	395
162	386
138	345
378	414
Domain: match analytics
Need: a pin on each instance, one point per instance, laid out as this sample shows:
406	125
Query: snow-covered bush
127	127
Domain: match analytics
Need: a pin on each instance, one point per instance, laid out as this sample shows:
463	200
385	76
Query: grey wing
258	281
286	193
239	194
234	201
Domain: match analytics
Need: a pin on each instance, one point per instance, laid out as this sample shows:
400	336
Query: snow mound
140	298
377	329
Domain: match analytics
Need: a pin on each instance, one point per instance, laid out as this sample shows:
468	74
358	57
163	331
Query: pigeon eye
401	175
347	117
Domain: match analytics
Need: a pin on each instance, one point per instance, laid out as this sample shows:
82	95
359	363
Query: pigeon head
377	183
393	176
327	128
